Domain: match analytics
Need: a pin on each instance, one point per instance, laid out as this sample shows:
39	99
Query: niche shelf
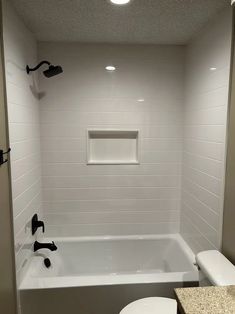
112	147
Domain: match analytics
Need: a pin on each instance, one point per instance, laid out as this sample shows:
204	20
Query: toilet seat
151	306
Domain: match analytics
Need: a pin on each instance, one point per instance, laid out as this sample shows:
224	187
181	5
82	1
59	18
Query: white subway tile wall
24	128
205	120
80	199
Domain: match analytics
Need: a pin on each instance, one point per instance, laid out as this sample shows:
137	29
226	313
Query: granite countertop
207	300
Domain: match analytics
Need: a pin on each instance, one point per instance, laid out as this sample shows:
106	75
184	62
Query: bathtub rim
187	250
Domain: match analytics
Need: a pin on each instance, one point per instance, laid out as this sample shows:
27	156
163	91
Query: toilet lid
151	306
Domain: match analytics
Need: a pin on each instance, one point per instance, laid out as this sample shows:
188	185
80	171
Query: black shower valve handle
37	224
41	224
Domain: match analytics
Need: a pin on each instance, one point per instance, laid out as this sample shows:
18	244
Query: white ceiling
142	21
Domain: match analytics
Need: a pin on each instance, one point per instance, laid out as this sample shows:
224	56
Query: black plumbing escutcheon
37	224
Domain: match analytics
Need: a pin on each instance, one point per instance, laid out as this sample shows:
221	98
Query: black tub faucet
50	246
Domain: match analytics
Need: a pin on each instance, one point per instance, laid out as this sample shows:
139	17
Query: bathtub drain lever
47	262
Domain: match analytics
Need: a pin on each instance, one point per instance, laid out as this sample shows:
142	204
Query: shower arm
28	69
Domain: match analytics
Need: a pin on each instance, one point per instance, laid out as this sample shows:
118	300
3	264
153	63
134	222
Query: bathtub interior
112	260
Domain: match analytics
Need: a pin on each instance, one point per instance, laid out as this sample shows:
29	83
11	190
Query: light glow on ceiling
110	68
120	2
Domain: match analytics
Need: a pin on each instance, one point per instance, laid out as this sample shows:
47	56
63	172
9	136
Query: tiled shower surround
81	199
205	122
176	96
24	130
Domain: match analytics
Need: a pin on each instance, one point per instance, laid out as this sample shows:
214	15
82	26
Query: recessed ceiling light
110	68
120	2
213	69
140	100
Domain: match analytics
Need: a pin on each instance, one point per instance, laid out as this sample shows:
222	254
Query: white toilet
215	270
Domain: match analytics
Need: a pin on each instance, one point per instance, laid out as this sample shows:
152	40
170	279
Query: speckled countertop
207	300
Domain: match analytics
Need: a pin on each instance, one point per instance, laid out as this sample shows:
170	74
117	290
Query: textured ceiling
142	21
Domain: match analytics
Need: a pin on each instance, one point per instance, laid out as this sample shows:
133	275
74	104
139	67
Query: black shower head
53	70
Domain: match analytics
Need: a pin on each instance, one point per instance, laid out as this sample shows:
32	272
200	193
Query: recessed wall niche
112	147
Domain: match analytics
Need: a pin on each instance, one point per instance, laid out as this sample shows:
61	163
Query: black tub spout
50	246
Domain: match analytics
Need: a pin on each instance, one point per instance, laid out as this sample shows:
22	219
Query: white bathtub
101	275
